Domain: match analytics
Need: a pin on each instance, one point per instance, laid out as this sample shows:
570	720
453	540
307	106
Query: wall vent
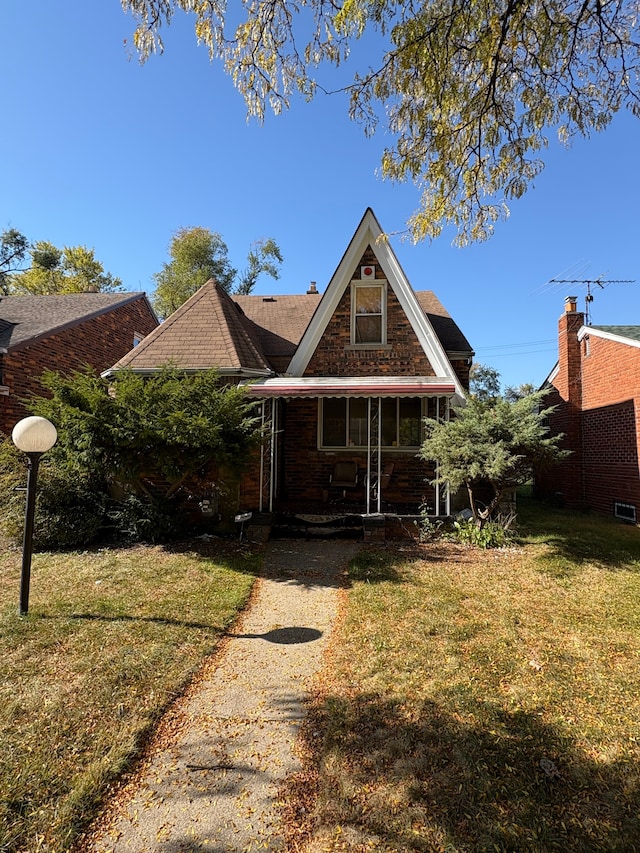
625	512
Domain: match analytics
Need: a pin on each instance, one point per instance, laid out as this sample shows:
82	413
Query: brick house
596	388
343	379
63	332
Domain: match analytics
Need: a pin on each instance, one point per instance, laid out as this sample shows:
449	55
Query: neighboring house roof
622	334
25	319
208	331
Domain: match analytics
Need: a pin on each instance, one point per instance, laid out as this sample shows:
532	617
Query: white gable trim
586	331
368	233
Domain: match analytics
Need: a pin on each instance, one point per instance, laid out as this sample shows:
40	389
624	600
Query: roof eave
240	372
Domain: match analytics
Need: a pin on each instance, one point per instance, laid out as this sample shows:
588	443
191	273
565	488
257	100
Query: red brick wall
99	342
611	423
599	409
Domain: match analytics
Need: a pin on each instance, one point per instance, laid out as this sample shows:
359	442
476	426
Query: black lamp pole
34	436
33	462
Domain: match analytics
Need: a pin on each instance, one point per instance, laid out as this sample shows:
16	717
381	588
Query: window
368	314
345	422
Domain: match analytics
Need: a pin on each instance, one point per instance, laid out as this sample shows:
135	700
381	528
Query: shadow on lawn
577	538
439	781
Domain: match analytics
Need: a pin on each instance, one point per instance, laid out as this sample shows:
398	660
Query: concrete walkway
210	784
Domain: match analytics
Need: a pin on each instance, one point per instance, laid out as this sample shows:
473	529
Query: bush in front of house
127	450
139	519
69	505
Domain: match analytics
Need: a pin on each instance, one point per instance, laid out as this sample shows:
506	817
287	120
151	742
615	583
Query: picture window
344	422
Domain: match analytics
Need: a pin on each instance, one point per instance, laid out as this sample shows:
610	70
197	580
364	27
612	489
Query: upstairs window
368	314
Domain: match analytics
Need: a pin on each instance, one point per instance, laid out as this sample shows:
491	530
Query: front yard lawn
481	700
112	637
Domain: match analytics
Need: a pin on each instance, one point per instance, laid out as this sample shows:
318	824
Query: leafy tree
515	392
198	254
484	381
14	247
495	445
264	257
469	91
73	269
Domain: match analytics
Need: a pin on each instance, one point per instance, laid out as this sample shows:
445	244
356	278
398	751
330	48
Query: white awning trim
352	386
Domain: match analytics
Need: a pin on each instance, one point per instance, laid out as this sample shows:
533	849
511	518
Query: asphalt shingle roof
26	318
632	332
281	321
208	331
213	329
445	327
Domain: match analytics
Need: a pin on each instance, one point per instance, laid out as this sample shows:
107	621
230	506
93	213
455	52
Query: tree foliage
14	247
73	269
495	444
198	254
484	382
468	91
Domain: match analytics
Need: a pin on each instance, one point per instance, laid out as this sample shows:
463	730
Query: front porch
367	465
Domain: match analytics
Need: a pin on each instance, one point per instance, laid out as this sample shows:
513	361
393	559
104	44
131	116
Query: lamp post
34	436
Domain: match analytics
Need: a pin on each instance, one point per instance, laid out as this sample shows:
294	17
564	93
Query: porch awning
352	386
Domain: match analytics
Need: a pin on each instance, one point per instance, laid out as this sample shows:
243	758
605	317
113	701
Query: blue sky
101	151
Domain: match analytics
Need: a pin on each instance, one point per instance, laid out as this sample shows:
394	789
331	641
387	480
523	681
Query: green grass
112	637
482	701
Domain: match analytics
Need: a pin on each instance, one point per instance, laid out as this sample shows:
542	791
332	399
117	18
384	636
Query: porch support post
437	485
273	455
374	455
447	487
262	422
368	474
379	455
268	449
443	491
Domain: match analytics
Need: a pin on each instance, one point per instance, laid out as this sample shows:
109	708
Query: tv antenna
601	282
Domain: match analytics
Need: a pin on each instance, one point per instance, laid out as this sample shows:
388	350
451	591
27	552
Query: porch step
317	526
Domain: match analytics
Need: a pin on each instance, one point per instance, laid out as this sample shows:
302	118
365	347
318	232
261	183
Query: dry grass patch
482	701
112	637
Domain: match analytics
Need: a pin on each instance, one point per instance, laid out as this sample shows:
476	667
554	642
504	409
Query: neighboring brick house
342	377
64	332
596	388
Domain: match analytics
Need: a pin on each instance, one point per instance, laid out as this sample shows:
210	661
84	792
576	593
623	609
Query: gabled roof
25	319
279	323
208	331
629	335
369	233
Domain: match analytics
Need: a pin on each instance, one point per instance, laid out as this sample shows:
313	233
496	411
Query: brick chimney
568	382
312	288
569	378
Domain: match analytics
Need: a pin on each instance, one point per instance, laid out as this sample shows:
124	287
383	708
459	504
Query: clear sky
100	151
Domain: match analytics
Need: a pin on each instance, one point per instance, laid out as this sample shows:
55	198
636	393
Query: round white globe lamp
34	436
